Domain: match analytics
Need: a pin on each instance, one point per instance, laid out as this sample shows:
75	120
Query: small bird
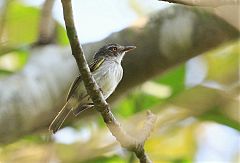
107	71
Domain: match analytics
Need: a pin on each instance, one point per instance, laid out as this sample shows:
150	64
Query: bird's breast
108	76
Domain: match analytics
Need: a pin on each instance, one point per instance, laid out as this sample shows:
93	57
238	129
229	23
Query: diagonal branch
127	141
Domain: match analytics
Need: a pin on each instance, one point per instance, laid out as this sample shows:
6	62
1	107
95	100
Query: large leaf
62	38
21	24
223	64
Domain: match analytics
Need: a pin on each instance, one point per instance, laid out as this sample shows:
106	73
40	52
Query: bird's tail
60	118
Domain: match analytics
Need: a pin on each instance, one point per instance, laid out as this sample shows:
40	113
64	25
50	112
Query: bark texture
30	98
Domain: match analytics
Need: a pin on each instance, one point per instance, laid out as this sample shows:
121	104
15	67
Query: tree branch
31	97
177	2
93	90
169	115
201	3
47	24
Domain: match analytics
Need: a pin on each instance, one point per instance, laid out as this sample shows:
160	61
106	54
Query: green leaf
177	145
175	78
4	73
22	24
126	107
135	102
62	38
34	139
8	49
223	64
138	100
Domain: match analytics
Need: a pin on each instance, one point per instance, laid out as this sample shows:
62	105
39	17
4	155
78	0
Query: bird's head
114	51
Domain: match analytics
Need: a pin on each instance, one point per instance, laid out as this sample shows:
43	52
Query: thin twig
93	90
177	2
199	3
47	24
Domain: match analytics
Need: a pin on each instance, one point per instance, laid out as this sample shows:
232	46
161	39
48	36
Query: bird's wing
93	67
74	86
96	64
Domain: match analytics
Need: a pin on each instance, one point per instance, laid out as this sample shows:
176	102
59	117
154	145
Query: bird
107	71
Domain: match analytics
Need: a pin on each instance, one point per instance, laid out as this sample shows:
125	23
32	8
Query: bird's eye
114	49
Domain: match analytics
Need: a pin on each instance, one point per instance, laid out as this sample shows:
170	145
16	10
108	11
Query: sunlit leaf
22	24
62	38
223	64
178	145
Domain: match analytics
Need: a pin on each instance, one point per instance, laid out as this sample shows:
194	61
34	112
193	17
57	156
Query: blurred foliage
18	57
135	102
217	116
173	141
18	32
177	145
139	100
112	159
4	72
224	61
62	38
171	76
12	62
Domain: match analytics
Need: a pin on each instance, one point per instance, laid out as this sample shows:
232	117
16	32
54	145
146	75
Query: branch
169	115
201	3
93	90
47	23
40	87
177	2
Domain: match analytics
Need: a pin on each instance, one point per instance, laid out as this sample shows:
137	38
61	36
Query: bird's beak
128	48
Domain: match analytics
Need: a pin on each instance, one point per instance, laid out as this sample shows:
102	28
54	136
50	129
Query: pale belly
108	77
